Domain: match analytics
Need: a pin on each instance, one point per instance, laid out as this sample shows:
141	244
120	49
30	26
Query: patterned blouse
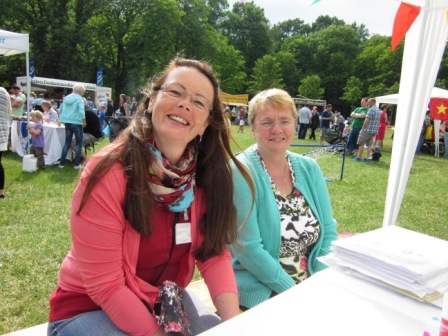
300	229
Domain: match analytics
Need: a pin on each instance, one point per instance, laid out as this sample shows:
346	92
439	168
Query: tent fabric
13	43
423	51
393	98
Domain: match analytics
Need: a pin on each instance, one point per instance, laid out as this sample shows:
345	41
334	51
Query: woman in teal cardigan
290	223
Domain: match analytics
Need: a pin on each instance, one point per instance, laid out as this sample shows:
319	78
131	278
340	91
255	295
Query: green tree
336	48
227	62
303	49
289	72
248	31
353	91
378	67
280	31
311	87
325	21
266	74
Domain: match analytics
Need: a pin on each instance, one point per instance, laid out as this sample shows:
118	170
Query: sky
377	15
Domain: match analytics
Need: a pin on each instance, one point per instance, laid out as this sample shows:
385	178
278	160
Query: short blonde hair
79	88
46	102
37	115
276	98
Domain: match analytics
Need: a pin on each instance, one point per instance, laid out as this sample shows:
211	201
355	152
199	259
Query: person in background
368	131
358	115
289	223
31	99
314	122
325	119
339	121
304	121
49	113
379	137
91	132
110	108
227	117
134	106
102	115
129	102
162	189
5	121
37	103
18	105
90	102
346	131
36	130
123	105
241	127
71	113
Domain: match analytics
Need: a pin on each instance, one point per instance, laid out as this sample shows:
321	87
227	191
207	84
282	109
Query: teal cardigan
255	255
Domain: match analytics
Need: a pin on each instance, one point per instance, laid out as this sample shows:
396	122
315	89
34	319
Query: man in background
368	131
18	104
304	121
325	119
358	116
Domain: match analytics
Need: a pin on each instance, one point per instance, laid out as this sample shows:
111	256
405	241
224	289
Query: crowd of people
84	122
365	127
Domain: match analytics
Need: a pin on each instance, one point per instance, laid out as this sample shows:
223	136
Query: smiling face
178	120
277	139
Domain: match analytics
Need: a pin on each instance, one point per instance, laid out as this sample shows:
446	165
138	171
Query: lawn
34	221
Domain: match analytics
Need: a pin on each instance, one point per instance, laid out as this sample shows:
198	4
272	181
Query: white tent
15	43
393	98
423	51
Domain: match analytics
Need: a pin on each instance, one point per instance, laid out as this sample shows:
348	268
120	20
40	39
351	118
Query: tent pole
28	91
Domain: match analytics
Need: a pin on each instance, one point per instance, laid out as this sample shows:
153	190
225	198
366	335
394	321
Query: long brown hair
213	172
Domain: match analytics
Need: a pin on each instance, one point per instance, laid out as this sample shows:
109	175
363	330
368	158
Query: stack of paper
408	261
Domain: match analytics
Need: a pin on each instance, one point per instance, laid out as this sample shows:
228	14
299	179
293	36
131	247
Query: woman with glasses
147	209
289	223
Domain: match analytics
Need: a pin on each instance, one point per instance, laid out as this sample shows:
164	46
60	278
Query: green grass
34	219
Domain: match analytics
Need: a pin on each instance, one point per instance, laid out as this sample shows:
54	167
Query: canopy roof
13	43
393	98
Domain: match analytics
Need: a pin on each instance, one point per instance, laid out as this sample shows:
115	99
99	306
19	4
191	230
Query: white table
333	303
54	136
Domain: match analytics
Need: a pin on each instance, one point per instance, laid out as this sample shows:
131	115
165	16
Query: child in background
346	130
376	153
36	130
102	115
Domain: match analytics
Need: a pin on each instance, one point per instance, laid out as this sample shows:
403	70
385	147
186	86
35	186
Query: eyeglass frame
259	122
186	93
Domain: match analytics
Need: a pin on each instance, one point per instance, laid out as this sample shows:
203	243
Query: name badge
183	233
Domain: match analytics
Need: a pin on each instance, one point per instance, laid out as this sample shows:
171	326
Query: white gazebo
15	43
423	51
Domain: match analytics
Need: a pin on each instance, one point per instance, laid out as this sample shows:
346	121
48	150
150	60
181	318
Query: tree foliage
311	87
132	40
266	74
352	91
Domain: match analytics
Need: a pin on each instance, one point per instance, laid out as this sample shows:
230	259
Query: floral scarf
173	185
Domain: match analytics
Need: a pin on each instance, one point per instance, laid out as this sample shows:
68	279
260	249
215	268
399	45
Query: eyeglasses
178	91
269	123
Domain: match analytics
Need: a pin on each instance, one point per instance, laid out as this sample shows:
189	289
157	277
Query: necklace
284	174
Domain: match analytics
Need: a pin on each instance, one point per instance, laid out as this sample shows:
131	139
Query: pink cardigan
102	261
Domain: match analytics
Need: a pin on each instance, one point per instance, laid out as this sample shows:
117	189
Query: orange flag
438	108
404	19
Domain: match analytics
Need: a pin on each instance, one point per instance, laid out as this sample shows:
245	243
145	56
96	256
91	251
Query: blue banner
99	77
32	68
